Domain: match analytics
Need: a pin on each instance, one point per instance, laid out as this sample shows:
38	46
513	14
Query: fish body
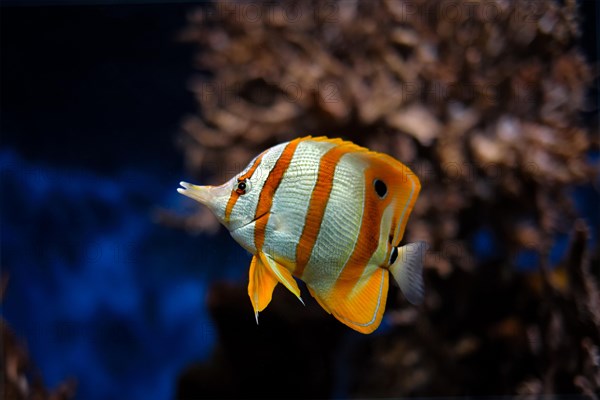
330	213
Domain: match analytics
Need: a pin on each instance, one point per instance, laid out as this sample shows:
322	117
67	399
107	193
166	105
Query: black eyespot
380	188
394	255
242	187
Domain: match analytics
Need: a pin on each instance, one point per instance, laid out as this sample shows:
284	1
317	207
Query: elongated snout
211	196
199	193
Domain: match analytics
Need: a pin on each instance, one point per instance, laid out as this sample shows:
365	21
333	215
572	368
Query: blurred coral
483	101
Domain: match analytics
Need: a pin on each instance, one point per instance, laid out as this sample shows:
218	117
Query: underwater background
115	286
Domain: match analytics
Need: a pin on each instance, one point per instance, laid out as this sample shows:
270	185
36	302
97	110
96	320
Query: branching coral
481	99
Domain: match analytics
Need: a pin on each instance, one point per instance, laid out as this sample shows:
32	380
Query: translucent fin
408	271
281	273
363	306
261	286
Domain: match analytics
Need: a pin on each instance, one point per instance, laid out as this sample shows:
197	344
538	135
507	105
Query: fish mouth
199	193
207	195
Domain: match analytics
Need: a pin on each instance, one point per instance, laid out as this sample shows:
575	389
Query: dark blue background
92	100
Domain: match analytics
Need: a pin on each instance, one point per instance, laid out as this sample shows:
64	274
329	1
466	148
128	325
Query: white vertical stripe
291	202
341	224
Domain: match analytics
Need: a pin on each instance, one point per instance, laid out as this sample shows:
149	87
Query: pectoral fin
282	274
261	286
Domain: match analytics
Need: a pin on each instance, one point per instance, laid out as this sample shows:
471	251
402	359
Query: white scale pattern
341	225
291	202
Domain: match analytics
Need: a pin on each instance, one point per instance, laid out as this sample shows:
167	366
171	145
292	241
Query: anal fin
357	304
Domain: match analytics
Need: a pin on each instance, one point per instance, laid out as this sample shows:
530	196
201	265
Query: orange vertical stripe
410	180
265	200
234	195
316	209
406	180
368	237
253	168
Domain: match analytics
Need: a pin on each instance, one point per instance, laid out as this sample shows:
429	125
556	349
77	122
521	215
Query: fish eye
394	255
380	188
242	187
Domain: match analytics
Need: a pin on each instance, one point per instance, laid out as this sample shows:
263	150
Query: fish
327	212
